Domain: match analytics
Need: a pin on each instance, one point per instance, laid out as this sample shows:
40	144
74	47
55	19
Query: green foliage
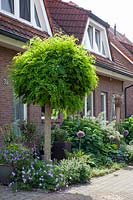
96	141
127	124
75	170
58	134
8	135
16	155
54	70
38	174
28	132
86	158
100	141
130	152
95	172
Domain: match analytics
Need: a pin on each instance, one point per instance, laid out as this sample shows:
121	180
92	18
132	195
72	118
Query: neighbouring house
22	20
113	52
122	54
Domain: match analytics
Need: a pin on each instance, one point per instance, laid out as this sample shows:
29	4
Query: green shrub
97	138
86	158
28	132
130	152
58	134
8	135
75	170
127	124
38	174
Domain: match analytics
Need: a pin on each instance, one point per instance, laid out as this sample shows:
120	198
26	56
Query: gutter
14	36
105	24
114	70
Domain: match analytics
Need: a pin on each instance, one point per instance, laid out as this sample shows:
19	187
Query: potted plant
59	144
12	157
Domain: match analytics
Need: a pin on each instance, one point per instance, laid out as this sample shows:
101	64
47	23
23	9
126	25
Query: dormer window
27	11
31	12
8	5
95	39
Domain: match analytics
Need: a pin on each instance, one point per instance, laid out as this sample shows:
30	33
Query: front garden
96	149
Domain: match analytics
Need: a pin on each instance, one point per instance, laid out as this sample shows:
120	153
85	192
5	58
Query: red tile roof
19	29
69	17
72	20
122	43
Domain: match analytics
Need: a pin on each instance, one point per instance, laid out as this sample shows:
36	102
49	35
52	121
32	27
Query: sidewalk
115	186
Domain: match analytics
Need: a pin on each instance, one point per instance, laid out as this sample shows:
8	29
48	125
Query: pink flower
80	134
125	132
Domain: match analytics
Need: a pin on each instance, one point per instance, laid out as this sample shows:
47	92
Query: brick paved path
115	186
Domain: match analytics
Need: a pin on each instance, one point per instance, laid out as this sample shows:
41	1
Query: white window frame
104	95
86	111
95	47
43	19
104	39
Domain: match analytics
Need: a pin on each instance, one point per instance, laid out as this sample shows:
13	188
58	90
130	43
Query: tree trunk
47	132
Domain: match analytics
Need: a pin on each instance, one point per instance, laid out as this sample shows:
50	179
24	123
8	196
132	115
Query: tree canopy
54	70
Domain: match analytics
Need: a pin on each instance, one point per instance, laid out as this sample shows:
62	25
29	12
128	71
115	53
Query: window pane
90	33
37	18
8	5
90	104
103	104
18	109
25	9
97	38
103	49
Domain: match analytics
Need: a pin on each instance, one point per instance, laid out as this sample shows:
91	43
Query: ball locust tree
55	72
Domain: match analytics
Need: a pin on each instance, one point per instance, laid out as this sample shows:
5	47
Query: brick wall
6	97
110	86
6	100
129	98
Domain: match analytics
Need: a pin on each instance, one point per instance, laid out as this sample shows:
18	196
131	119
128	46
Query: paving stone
115	186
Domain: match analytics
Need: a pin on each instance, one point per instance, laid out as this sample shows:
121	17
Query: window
8	5
97	41
18	110
104	104
25	9
89	105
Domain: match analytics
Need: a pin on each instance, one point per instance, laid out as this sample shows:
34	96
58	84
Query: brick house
21	21
114	55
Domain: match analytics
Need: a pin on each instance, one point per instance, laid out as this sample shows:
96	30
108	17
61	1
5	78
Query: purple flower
125	132
80	134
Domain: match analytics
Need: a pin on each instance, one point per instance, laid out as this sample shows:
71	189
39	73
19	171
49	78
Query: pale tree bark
47	132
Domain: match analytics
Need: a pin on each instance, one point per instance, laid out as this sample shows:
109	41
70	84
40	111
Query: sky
119	12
